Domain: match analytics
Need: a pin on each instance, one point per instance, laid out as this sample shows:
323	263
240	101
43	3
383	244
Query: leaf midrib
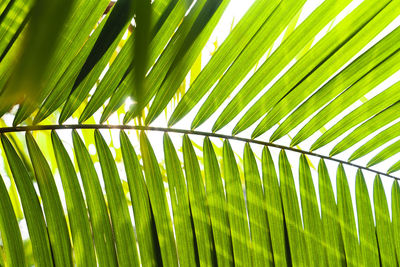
183	131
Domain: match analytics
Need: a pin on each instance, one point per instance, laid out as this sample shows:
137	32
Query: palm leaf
324	76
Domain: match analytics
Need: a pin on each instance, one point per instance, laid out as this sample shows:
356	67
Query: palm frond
325	78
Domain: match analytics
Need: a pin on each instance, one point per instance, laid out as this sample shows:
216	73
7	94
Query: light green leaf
370	126
63	87
123	231
236	209
229	50
122	63
260	232
77	212
158	202
160	69
198	205
218	206
144	220
273	204
330	218
180	205
396	217
274	64
366	227
347	221
53	210
264	38
362	75
100	221
312	221
321	61
363	112
31	206
9	230
386	153
120	16
294	225
183	63
384	230
395	167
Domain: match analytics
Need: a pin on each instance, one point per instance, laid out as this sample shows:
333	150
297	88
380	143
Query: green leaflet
76	97
198	205
236	209
366	227
144	221
384	230
117	21
100	221
218	206
143	17
381	119
292	45
157	47
83	17
273	204
53	210
12	21
121	65
320	62
185	61
9	230
224	56
180	205
191	47
265	37
330	218
297	242
395	167
40	47
31	206
363	75
371	107
178	44
312	223
158	202
396	217
385	154
260	232
77	212
63	87
346	219
123	231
